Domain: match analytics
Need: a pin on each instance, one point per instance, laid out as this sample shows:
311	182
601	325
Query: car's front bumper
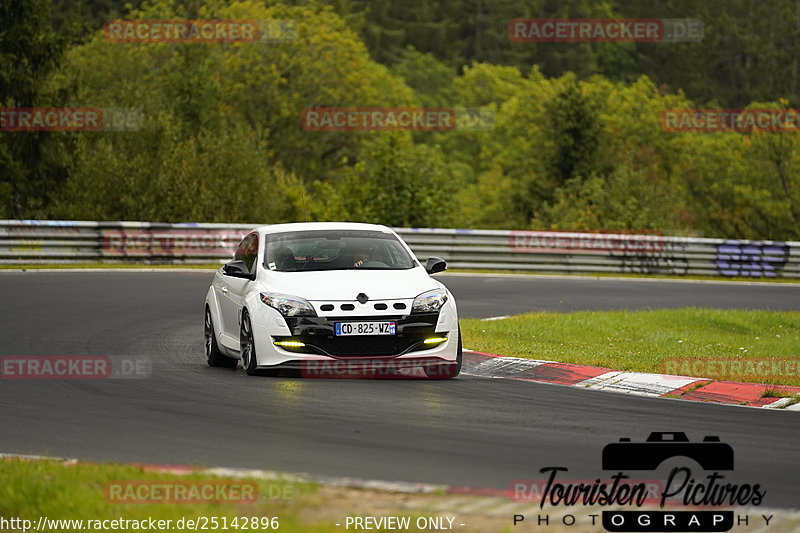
275	357
405	348
318	338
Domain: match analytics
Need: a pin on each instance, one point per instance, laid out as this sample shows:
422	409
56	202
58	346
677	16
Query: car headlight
429	302
288	305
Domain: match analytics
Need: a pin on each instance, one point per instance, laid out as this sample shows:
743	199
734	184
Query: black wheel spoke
247	346
246	342
209	333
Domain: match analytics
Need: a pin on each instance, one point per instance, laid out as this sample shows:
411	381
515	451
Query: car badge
362	298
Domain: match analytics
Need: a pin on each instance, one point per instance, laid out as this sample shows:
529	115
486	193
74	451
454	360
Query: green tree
30	165
575	128
743	185
399	184
222	139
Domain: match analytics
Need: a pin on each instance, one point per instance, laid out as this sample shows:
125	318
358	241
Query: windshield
302	251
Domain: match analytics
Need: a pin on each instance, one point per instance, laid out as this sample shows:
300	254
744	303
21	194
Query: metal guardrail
54	242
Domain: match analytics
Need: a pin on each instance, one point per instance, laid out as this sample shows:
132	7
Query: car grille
317	334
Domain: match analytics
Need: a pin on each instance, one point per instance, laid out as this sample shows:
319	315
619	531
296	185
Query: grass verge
55	490
690	341
51	489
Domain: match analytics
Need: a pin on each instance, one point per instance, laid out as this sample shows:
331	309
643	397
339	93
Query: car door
232	289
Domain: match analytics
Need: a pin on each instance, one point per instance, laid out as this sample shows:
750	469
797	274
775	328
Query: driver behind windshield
361	255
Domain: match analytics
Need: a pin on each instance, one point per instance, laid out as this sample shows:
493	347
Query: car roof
310	226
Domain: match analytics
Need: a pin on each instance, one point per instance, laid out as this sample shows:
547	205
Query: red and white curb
487	365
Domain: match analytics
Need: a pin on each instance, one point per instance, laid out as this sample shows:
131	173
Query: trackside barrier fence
58	242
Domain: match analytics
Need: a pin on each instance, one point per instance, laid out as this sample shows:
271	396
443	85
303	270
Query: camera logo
710	454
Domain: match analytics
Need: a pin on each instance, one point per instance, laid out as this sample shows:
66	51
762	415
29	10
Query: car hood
347	284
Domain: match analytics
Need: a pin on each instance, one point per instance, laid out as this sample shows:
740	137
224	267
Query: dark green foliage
575	141
29	51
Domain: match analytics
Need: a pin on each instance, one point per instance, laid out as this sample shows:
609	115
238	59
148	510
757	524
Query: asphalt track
470	431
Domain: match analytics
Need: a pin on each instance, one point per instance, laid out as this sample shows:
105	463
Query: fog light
289	344
435	340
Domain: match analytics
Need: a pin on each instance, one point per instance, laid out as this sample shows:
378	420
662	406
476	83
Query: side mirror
236	269
435	264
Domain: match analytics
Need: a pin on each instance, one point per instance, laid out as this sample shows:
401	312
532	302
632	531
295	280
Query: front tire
448	371
214	356
247	349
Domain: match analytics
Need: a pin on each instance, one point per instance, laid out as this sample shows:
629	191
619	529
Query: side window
239	255
248	251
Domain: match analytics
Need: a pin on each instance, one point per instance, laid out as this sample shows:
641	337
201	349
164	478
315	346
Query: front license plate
344	329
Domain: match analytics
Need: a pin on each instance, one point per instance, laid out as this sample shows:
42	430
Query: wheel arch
212	304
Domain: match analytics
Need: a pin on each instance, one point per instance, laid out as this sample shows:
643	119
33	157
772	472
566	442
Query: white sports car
329	298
